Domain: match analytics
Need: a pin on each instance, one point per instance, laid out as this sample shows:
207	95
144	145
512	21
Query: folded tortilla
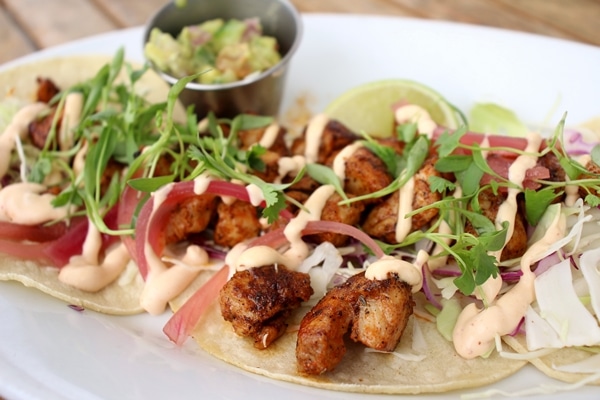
424	361
552	364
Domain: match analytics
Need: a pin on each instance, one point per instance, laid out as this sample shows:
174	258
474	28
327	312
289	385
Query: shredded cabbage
589	264
560	307
329	259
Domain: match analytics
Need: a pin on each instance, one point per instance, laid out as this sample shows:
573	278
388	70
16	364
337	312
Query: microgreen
326	176
413	157
221	156
116	125
393	161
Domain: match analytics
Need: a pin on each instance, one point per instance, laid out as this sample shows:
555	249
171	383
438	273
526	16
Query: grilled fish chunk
46	90
365	173
381	221
334	138
332	211
237	222
191	216
259	300
374	311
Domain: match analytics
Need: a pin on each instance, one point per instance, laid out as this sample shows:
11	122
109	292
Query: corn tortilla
361	371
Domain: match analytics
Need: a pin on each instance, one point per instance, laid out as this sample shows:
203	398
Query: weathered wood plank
578	19
382	7
15	42
26	25
485	12
568	19
51	22
130	13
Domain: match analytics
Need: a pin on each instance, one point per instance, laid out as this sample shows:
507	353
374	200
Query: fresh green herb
406	132
152	184
393	161
222	157
440	185
414	155
326	176
592	200
116	124
449	141
536	203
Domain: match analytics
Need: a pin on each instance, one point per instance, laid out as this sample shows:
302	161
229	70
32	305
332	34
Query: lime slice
591	130
368	107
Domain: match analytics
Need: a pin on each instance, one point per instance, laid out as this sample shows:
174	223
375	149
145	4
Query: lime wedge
591	130
368	107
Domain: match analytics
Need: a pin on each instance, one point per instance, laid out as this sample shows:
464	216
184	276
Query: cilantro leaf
453	163
469	179
593	200
439	184
407	132
393	161
536	203
447	142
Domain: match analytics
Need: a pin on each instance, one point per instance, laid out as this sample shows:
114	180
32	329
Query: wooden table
30	25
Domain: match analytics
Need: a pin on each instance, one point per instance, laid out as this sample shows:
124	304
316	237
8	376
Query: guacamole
224	50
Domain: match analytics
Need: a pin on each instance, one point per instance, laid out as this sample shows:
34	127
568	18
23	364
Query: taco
258	323
336	291
48	211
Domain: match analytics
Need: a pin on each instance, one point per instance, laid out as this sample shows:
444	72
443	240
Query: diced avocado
263	53
225	51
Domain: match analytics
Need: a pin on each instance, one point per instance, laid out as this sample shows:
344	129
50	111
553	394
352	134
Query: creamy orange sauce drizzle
508	209
255	194
314	131
259	256
163	282
405	200
26	203
289	165
201	183
186	254
17	129
339	163
475	330
412	113
79	159
70	120
407	272
270	135
87	271
313	207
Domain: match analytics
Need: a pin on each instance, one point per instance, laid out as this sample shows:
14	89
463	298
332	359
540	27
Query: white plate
48	351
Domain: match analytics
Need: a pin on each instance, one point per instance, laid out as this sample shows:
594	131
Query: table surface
30	25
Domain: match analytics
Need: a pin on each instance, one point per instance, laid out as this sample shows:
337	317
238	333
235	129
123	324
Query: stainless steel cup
261	94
